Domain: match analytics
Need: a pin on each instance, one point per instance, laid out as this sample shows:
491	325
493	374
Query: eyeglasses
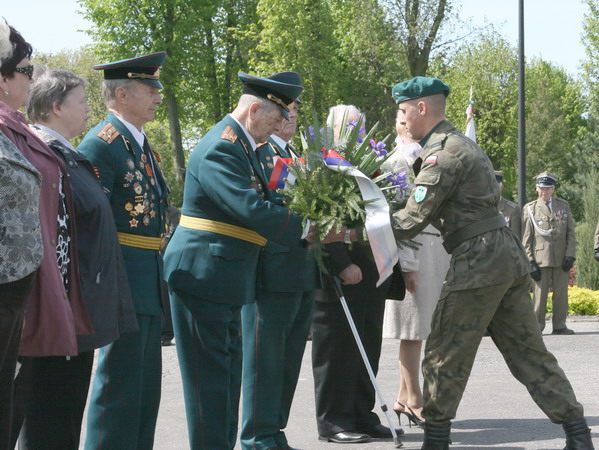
27	70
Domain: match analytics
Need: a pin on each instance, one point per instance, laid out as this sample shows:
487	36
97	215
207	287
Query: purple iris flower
361	135
378	148
398	180
311	132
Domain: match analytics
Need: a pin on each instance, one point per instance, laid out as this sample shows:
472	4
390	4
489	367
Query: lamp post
521	114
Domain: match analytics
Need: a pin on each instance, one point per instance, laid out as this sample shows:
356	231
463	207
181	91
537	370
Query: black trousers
50	396
12	306
344	393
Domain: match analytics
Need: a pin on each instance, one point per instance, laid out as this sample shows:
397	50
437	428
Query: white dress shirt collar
247	134
139	136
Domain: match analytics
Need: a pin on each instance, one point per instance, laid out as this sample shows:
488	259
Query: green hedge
581	301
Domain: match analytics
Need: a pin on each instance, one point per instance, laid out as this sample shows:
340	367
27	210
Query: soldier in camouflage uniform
487	285
550	245
509	210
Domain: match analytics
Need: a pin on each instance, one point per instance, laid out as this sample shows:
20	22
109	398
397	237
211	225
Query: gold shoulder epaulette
229	134
108	133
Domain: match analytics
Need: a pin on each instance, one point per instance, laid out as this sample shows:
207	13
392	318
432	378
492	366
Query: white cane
352	325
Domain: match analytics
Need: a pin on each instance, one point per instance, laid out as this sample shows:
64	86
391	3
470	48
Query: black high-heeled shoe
412	417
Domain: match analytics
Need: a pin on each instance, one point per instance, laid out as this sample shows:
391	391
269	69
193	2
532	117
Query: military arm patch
108	133
420	193
229	134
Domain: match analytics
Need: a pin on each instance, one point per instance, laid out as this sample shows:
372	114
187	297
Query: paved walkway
496	411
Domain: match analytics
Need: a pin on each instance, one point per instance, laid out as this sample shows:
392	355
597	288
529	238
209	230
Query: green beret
418	87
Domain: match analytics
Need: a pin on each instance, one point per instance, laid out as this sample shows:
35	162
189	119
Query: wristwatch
347	238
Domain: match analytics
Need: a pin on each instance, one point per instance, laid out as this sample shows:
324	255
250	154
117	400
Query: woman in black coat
54	389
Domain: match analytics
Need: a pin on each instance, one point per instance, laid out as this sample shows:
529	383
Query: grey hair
109	88
50	86
247	99
337	113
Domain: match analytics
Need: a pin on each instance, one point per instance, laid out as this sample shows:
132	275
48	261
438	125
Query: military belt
475	229
134	240
226	229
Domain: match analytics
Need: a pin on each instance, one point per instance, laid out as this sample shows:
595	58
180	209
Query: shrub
581	301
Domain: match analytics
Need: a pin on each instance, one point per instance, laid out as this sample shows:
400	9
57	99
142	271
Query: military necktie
417	165
549	206
150	156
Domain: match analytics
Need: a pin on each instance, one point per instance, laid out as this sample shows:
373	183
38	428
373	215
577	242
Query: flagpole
521	117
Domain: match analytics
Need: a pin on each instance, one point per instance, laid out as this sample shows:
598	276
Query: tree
297	35
419	25
587	268
489	67
371	59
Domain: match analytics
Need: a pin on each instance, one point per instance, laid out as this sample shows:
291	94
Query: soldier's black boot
436	438
578	435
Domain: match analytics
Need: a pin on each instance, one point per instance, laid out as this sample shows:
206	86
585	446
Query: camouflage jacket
456	188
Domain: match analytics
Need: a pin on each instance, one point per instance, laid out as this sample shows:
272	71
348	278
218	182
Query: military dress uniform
211	265
509	210
597	242
511	213
548	239
275	329
126	391
487	285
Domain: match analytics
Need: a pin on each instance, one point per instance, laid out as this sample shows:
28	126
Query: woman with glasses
54	309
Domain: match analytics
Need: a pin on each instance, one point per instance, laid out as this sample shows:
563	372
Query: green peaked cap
418	87
145	69
282	88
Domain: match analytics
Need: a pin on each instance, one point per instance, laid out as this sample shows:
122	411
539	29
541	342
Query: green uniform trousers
556	279
275	329
458	325
125	396
209	351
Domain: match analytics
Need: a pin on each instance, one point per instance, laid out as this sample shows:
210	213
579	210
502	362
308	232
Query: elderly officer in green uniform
597	242
275	328
126	392
487	285
211	263
550	245
509	210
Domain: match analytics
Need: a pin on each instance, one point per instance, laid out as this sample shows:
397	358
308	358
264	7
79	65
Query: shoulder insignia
431	159
108	133
229	134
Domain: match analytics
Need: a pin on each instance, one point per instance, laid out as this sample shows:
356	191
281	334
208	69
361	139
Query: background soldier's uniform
549	252
275	329
126	390
487	285
597	242
511	212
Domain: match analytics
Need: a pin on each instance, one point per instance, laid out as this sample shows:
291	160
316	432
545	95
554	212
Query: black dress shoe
379	431
565	330
346	437
166	342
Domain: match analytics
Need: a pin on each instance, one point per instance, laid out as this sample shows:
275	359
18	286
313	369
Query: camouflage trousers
459	323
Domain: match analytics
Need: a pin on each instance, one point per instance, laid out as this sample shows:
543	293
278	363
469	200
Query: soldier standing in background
509	210
550	245
126	392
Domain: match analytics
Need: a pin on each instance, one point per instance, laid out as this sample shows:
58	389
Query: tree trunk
176	140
